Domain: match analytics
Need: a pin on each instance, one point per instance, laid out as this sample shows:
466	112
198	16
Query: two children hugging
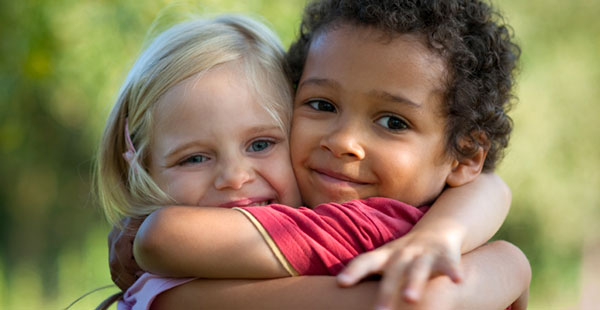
398	106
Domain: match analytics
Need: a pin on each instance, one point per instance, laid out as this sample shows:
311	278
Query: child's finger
362	266
450	268
417	275
394	274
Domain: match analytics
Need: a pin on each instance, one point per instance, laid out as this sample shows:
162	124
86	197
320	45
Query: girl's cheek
282	179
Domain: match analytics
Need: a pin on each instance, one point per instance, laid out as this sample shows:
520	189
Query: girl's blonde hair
182	51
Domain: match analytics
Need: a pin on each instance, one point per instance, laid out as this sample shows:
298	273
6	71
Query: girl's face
213	145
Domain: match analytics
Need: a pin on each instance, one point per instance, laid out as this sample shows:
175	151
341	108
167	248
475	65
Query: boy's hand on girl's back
123	268
406	265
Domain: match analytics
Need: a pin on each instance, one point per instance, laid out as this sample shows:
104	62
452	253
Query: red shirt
322	240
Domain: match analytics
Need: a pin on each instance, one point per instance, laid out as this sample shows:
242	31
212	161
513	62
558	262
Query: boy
367	82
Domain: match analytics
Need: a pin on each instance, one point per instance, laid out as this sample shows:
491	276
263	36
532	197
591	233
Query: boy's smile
368	119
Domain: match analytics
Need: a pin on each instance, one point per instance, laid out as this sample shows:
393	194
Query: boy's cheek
293	197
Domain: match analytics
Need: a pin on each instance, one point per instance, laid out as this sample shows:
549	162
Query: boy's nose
233	175
344	141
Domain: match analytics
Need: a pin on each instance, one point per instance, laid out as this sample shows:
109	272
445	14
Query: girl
183	98
176	136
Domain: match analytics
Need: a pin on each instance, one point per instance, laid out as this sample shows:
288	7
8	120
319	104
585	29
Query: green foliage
61	64
554	160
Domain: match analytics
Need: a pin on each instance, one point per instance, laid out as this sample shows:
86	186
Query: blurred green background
62	62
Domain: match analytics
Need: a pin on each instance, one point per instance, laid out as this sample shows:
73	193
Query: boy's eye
259	145
195	159
322	105
392	123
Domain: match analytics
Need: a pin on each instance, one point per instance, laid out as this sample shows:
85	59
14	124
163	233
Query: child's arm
495	275
204	242
304	292
124	270
175	241
461	219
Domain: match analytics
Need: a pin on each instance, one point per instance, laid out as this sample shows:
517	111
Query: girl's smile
248	202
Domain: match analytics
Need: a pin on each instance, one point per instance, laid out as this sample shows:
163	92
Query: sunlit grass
80	271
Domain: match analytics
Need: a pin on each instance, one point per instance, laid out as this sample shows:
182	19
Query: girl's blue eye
393	123
195	159
322	105
259	145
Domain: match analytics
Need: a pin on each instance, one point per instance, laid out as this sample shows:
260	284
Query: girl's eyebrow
261	129
179	148
255	130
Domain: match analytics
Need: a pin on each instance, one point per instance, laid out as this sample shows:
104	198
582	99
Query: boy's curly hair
469	35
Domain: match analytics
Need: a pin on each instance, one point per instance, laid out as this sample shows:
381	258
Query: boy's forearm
495	276
470	214
308	292
204	242
304	292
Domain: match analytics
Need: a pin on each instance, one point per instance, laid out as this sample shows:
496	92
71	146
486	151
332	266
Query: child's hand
406	264
123	268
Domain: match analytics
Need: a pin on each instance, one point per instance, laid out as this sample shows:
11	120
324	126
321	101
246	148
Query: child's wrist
452	240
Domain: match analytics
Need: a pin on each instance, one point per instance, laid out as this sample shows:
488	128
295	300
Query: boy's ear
467	169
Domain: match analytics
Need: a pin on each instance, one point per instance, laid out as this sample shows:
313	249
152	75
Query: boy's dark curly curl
468	34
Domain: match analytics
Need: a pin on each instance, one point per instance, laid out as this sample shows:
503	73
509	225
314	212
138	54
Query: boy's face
214	145
368	119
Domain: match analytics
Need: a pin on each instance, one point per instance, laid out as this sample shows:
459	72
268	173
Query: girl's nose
344	141
233	175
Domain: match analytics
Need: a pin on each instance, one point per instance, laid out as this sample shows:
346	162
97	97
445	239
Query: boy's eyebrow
379	94
386	96
320	82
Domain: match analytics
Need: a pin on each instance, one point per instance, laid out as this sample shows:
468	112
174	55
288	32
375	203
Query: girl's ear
466	169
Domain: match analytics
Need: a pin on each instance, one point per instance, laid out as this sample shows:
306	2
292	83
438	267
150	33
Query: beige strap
272	245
